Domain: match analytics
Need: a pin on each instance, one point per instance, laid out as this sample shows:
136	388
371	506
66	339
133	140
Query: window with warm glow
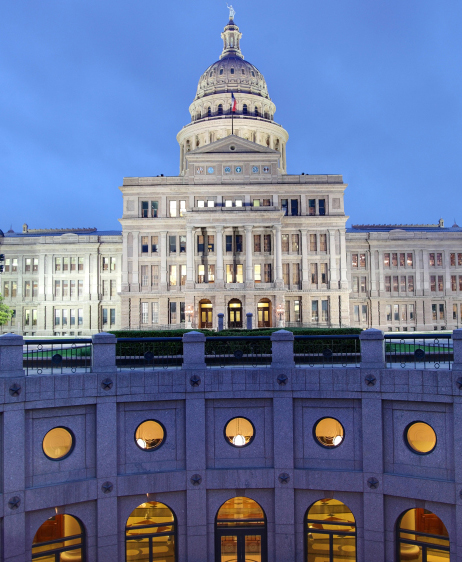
58	443
420	437
150	435
239	432
329	432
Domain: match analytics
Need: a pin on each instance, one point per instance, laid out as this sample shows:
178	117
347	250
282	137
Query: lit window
239	432
58	443
420	437
329	432
150	435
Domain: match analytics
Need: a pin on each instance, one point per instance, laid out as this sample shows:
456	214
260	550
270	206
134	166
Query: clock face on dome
227	170
210	170
199	170
238	169
255	169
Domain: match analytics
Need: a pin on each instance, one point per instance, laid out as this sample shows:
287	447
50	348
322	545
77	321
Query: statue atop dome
232	12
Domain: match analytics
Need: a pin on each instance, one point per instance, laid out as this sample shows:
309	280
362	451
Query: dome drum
219	105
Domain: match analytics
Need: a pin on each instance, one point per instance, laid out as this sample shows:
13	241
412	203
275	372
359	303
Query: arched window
330	532
209	112
244	109
220	109
422	536
256	111
150	533
198	116
240	531
243	71
232	70
60	537
221	71
266	115
235	313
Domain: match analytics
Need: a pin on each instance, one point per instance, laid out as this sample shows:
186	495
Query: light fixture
141	443
337	440
239	440
280	312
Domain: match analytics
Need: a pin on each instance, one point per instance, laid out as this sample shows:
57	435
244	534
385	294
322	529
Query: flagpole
232	122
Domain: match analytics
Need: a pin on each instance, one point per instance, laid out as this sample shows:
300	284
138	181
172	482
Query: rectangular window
257	243
433	283
144	209
323	242
154	209
112	312
34	317
453	262
230	273
14	288
57	317
172	275
314	273
441	307
229	243
182	244
394	259
387	283
324	311
210	203
411	312
73	264
65	288
266	202
144	276
80	264
297	311
239	273
294	207
155	313
211	273
80	316
364	313
388	312
154	244
363	284
257	272
404	313
65	264
182	208
410	283
295	243
323	271
356	312
285	243
395	283
201	273
154	275
460	282
402	283
57	288
439	259
267	243
386	260
6	289
27	290
183	274
28	266
354	260
80	288
172	313
267	272
402	260
256	202
431	259
201	204
182	311
454	311
322	207
313	243
238	202
238	242
112	264
144	250
285	273
57	265
355	284
311	207
27	317
314	311
454	282
106	288
172	244
14	265
144	313
64	316
285	206
459	259
172	207
434	312
296	273
112	288
7	265
362	260
200	243
440	283
211	243
72	288
396	312
410	260
72	317
228	203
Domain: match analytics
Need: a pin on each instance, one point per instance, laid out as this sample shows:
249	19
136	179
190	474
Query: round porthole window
420	437
58	443
329	432
150	435
239	432
232	147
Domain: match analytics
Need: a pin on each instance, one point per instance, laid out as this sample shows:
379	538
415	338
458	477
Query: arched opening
330	532
220	109
60	538
209	112
240	532
422	537
205	314
235	313
244	109
256	111
150	534
264	313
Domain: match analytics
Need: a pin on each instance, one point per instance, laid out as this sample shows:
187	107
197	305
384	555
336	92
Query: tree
5	312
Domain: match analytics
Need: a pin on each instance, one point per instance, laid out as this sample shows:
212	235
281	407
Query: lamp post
280	311
190	314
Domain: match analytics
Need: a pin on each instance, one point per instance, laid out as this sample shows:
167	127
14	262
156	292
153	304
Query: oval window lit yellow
421	437
58	443
239	432
149	435
329	432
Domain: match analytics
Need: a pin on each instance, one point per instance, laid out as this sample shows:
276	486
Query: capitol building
233	234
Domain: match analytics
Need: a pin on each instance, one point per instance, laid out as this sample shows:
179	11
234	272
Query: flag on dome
233	108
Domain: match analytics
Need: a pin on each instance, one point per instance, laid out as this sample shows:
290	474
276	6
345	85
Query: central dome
231	73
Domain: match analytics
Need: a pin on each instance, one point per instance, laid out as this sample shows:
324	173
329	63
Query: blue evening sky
92	91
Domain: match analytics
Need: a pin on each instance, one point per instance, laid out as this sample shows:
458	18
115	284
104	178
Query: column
248	257
189	257
381	275
332	261
304	249
163	260
426	279
219	280
373	274
124	259
343	264
136	253
278	246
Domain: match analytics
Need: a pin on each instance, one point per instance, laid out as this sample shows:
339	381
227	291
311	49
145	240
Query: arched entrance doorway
235	313
264	313
60	538
240	532
205	314
150	534
422	537
330	532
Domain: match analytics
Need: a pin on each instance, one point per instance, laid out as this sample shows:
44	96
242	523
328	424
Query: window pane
344	549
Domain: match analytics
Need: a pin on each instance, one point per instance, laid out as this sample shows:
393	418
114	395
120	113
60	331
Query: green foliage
256	332
5	312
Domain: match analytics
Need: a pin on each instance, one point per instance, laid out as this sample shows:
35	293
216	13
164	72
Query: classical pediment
225	146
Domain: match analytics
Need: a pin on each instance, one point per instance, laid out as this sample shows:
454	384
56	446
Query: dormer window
220	109
253	73
221	71
256	111
243	71
232	71
209	112
244	109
